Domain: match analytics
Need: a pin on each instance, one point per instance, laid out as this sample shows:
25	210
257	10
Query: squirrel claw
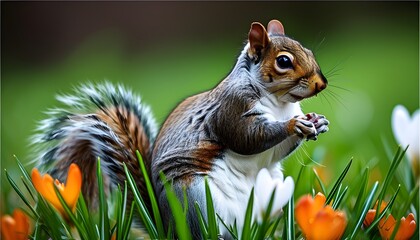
312	137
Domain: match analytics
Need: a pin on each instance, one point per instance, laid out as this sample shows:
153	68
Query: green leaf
246	230
103	205
80	228
120	209
397	225
232	233
143	212
85	216
265	224
413	195
28	188
384	211
366	207
299	175
123	221
211	215
273	228
360	196
337	184
23	170
290	219
50	221
339	198
26	179
128	221
396	161
324	190
21	195
151	193
181	226
201	221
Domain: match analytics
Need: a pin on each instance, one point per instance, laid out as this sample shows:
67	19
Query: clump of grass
116	222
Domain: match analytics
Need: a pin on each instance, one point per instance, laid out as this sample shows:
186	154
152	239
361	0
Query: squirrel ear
258	38
275	27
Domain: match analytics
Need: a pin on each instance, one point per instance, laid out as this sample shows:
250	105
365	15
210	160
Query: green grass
371	62
88	224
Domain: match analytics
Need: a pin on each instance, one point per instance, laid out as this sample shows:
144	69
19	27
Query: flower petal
73	186
302	212
263	188
45	186
37	181
22	224
319	202
407	228
328	224
414	128
400	120
386	226
8	227
284	191
318	221
370	216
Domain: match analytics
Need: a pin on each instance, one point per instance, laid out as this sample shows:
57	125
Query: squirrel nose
320	82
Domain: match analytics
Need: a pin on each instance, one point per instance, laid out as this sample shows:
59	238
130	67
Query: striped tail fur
104	121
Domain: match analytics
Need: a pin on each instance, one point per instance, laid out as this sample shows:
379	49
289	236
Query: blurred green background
166	51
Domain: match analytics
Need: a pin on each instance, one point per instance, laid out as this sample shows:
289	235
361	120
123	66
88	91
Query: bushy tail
104	121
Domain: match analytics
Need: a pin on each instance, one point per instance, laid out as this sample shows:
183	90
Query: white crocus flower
406	131
263	189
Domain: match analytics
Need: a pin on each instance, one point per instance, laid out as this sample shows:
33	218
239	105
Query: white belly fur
233	176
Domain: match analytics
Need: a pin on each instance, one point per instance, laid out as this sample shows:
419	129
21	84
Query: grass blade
396	161
103	205
181	226
21	195
290	219
382	214
263	227
151	193
86	216
120	209
246	230
211	215
274	228
337	184
201	221
23	170
230	230
339	198
80	228
323	189
409	201
362	190
28	188
365	209
143	212
128	221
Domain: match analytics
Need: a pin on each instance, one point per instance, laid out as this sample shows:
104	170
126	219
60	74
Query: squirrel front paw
319	121
304	128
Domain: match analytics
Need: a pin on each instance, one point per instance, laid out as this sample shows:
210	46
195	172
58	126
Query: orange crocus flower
70	192
318	221
387	224
16	227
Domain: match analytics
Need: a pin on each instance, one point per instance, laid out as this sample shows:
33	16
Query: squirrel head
286	68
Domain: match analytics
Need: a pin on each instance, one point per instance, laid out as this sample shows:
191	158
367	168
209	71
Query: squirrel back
105	121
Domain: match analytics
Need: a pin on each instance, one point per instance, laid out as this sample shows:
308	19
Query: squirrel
251	120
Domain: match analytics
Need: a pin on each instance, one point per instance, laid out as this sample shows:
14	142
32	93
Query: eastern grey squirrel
251	120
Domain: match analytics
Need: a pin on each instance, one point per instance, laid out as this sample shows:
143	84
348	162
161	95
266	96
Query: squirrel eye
284	62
